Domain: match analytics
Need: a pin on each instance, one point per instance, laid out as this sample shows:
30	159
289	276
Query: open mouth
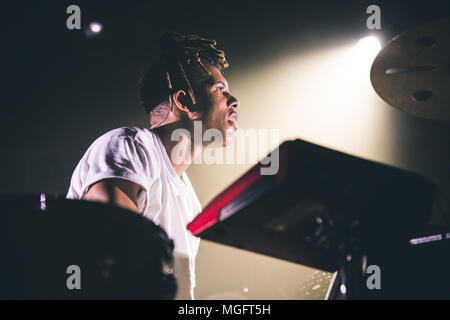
233	118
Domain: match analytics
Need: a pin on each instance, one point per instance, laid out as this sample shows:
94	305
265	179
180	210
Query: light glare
95	27
369	47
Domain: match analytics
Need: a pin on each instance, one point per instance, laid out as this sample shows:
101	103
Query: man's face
221	106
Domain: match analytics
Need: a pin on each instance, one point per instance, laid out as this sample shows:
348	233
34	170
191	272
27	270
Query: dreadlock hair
181	66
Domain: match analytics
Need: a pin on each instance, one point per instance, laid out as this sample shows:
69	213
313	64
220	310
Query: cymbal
412	72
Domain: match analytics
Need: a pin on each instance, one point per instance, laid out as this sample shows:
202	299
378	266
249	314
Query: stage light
368	47
95	27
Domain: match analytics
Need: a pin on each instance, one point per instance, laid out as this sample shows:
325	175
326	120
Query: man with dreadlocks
135	168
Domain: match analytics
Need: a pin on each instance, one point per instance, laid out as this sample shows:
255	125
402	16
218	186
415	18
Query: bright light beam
367	49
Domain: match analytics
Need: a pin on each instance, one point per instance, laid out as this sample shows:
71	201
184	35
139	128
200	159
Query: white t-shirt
138	155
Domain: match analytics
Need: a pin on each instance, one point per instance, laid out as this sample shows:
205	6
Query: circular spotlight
366	50
95	27
370	45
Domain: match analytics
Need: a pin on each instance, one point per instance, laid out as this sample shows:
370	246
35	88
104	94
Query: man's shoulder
127	132
147	138
131	142
125	146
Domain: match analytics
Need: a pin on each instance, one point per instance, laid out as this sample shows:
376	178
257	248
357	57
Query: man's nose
233	102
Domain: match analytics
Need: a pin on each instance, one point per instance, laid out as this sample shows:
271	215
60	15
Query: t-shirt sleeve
118	157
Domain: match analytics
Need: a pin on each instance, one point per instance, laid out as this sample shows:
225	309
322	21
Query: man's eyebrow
212	82
219	82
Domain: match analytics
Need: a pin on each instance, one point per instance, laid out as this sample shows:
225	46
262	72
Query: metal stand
350	280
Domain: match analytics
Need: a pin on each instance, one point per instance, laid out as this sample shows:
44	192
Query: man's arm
120	192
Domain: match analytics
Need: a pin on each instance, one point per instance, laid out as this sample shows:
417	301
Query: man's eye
220	89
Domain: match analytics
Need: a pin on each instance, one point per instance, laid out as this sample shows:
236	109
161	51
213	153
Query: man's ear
182	101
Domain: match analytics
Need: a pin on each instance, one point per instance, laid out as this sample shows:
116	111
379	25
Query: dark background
62	89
